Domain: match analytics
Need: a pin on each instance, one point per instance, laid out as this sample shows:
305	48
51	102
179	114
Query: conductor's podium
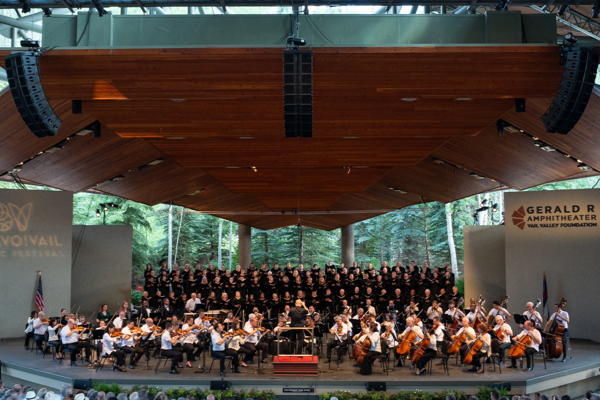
296	364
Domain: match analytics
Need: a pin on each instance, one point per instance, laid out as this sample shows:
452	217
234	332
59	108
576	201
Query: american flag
39	294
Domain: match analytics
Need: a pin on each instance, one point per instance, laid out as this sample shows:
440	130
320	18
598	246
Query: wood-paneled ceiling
204	128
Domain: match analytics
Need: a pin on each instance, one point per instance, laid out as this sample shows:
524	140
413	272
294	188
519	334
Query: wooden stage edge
579	374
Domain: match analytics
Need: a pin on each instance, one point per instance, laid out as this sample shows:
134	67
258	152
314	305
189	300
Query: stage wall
35	235
557	233
101	270
485	272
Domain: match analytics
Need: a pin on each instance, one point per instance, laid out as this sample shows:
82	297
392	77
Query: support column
348	244
244	248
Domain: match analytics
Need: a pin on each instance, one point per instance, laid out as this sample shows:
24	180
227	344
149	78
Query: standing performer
298	319
533	315
560	317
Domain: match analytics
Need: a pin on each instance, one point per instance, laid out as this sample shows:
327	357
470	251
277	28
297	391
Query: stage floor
583	365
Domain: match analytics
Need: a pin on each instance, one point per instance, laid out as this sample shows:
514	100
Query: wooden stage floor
584	365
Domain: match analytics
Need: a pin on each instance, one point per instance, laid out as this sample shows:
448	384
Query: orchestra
411	314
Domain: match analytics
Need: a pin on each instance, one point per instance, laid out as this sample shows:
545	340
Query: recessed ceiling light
246	137
409	99
174	137
349	137
463	99
156	162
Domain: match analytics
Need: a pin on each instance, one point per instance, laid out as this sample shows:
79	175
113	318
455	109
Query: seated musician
411	326
503	330
339	340
40	326
455	313
251	340
484	351
219	351
533	315
146	341
429	352
127	342
146	311
434	310
366	368
70	339
109	349
119	321
235	343
167	349
497	309
189	340
346	321
389	339
532	348
469	332
54	339
474	311
438	330
203	321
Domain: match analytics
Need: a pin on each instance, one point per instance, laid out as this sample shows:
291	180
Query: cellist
533	346
366	368
485	337
469	332
457	315
430	343
562	319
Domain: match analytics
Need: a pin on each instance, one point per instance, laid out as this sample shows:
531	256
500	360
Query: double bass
453	328
554	343
477	321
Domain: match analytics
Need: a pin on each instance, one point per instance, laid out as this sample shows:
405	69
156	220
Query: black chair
228	359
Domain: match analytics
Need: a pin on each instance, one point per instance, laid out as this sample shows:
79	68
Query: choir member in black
166	310
103	314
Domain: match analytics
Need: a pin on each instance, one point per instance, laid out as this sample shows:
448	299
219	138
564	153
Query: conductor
298	320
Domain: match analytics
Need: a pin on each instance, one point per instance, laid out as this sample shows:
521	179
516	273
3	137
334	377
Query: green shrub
107	387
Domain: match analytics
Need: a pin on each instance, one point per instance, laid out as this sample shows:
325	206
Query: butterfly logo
11	215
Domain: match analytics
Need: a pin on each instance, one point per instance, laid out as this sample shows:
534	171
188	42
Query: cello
554	343
517	350
406	342
475	346
361	348
421	348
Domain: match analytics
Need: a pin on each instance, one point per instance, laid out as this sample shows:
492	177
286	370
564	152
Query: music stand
519	318
446	319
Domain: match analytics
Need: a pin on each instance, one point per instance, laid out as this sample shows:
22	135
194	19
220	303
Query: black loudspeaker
297	95
376	386
520	105
82	384
22	71
219	385
575	89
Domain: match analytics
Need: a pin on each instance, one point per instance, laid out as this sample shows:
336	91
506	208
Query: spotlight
495	207
562	9
584	167
348	170
547	147
254	169
47	12
97	212
569	39
295	42
33	44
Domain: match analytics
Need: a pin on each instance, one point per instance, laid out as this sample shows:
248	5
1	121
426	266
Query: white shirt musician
109	350
438	332
410	326
434	311
533	315
561	317
455	313
127	339
118	321
39	327
467	330
532	347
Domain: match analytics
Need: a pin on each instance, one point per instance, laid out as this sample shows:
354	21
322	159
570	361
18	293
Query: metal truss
573	19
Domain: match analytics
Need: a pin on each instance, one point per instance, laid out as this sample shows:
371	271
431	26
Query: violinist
167	341
203	321
69	339
40	326
366	368
339	341
53	338
389	338
502	333
561	317
438	330
147	339
251	340
483	352
109	349
533	315
219	352
189	340
532	347
128	343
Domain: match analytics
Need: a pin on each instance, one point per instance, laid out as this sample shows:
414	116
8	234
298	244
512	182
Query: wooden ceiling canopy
204	128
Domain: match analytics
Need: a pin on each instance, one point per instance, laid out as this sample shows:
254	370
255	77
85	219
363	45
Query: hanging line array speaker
576	86
22	71
297	96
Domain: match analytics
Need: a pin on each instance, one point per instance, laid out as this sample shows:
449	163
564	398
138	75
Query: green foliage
404	395
108	387
485	392
460	284
136	297
201	394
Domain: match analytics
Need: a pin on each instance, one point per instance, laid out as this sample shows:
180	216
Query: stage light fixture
584	167
254	169
155	162
97	212
547	147
562	9
569	39
295	42
30	43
